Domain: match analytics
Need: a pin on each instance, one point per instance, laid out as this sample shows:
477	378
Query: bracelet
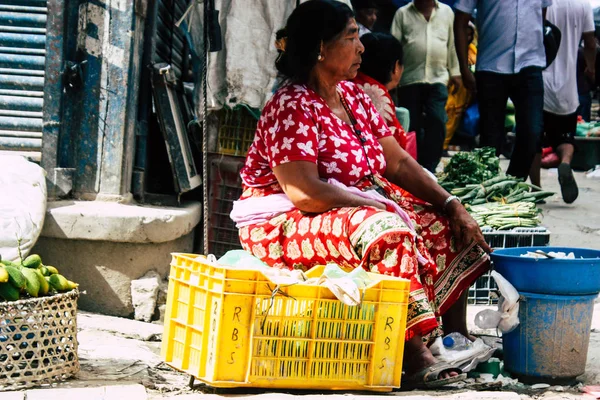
448	200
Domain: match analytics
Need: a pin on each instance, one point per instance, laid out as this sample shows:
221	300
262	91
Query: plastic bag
467	359
345	286
470	122
245	260
240	259
506	318
22	205
550	159
588	129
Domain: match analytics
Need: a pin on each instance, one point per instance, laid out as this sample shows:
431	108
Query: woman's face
341	56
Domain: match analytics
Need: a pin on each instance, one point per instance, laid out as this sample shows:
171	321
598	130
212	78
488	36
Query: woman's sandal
428	378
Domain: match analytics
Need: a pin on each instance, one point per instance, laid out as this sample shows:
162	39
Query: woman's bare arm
405	171
301	183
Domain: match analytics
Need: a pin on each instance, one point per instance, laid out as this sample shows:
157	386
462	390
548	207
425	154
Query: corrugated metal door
171	47
22	56
164	43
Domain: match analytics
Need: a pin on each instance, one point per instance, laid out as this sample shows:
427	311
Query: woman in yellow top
460	99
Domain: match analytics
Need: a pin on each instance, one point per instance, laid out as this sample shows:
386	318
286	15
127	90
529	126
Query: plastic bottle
456	341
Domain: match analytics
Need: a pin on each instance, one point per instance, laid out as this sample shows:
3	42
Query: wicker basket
38	340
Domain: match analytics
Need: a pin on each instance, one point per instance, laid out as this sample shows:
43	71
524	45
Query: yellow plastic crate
225	326
236	131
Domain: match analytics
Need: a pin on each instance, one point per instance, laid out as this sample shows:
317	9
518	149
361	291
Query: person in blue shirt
510	60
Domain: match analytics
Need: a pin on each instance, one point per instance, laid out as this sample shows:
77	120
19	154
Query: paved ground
577	224
120	358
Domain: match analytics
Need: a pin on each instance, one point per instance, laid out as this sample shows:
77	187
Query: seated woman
320	144
380	71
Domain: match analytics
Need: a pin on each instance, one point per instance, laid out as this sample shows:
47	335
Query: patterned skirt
378	241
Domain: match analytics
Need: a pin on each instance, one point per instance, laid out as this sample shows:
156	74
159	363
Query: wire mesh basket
38	340
236	131
485	291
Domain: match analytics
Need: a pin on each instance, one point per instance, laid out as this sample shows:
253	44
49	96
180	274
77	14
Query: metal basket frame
484	291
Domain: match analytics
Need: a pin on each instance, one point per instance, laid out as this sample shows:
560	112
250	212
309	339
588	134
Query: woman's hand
464	227
376	204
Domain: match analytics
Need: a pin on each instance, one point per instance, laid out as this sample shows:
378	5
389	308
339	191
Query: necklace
352	119
357	132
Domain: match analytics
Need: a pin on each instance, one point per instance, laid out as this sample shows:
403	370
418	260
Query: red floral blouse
297	125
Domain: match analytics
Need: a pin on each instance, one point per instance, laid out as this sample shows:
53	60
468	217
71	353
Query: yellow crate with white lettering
232	327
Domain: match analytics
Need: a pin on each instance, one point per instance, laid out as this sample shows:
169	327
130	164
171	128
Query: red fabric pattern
297	125
384	104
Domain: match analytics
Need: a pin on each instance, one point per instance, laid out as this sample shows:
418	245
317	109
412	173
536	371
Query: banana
9	263
51	270
44	285
59	283
8	292
3	274
73	285
44	270
15	277
33	261
32	285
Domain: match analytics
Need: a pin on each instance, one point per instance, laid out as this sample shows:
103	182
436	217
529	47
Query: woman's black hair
310	24
382	50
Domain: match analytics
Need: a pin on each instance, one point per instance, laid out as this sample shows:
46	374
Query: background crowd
467	65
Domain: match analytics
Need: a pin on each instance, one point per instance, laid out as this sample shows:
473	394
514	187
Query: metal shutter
168	40
22	58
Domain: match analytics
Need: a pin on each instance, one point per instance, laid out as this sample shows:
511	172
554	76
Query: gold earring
320	57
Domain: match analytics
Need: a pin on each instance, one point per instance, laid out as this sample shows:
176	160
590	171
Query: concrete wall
103	246
104	270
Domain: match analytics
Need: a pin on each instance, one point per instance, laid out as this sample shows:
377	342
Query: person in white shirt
424	27
575	20
366	15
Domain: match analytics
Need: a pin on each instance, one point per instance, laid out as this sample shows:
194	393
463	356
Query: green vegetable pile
504	189
470	167
506	216
476	178
492	198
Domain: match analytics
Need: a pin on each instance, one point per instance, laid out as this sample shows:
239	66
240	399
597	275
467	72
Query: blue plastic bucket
552	339
550	276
